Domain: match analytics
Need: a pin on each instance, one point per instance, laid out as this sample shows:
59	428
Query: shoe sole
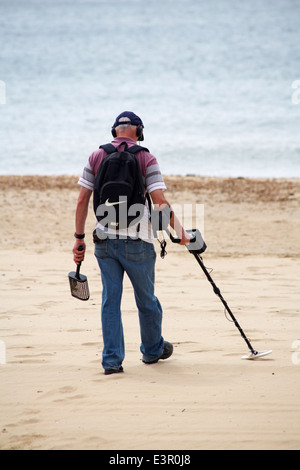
113	371
164	356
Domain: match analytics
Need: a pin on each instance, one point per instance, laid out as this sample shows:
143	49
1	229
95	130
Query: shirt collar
119	140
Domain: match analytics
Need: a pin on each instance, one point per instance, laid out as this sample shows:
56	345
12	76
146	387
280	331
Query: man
127	253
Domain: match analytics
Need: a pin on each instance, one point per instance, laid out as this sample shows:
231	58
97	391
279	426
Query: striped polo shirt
151	175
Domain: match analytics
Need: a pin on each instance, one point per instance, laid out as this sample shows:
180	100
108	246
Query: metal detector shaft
218	293
197	246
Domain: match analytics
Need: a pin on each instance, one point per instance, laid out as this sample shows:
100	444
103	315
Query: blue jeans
137	259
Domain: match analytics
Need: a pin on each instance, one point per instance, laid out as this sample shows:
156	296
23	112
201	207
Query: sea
216	83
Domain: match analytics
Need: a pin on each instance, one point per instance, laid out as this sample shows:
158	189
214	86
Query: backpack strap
108	148
136	148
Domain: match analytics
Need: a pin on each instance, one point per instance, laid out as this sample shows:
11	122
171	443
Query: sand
53	392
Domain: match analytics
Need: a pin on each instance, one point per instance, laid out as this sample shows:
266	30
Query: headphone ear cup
113	131
139	132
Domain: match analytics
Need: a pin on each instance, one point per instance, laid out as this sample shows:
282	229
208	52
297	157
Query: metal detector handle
178	240
173	239
196	243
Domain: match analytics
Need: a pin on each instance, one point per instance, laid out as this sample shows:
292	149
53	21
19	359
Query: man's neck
121	138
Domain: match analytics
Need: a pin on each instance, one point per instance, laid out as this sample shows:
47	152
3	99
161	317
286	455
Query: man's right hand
78	256
185	239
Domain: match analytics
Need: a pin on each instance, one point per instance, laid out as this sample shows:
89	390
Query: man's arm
159	200
80	219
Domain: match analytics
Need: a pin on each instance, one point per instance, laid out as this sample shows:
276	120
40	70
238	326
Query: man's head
128	124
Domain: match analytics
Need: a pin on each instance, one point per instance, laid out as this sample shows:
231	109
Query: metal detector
196	247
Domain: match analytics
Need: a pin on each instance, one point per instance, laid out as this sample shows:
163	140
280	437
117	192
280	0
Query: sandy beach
53	392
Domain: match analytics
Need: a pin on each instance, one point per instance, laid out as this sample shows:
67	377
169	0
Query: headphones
139	130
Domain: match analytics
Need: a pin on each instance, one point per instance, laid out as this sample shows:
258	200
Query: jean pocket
101	250
134	250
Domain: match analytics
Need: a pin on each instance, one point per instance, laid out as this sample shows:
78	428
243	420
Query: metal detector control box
197	244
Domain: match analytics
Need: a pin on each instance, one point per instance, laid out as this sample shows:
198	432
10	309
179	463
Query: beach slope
54	394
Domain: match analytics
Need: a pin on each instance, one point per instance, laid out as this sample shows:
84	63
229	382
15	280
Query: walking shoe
113	371
167	352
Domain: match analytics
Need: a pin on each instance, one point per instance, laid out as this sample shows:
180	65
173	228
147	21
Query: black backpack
118	187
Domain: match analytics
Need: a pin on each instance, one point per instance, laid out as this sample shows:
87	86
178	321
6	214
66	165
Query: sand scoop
196	247
78	283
